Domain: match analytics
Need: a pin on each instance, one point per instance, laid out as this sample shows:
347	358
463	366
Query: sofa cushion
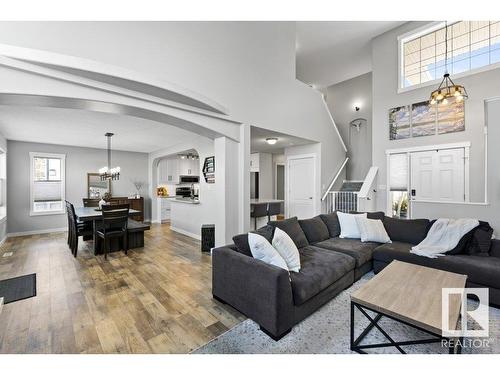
402	230
314	229
319	269
292	227
332	223
376	215
480	241
360	251
241	240
480	270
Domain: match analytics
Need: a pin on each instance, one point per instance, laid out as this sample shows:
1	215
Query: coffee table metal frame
454	344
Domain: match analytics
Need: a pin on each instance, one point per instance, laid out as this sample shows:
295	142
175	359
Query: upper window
47	183
471	45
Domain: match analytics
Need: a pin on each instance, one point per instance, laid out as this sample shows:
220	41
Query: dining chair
75	229
273	209
90	202
259	210
114	225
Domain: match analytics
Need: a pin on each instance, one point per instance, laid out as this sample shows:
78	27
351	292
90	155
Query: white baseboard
42	231
186	233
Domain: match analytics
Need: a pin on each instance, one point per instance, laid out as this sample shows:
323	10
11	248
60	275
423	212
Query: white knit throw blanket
444	235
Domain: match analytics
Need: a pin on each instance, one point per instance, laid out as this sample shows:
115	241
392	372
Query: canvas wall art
423	119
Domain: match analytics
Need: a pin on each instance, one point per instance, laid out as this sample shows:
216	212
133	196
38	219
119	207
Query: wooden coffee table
412	295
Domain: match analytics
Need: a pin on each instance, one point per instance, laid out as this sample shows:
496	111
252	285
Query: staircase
346	198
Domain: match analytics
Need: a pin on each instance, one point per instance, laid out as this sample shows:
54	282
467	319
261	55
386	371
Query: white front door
301	187
438	175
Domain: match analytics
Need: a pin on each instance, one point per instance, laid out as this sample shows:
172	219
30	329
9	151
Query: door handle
413	192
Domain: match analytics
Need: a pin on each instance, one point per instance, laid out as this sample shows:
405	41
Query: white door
438	175
301	187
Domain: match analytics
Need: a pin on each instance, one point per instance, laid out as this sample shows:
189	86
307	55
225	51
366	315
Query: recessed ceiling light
271	141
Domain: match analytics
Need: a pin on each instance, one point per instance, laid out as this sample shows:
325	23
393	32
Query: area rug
18	288
327	331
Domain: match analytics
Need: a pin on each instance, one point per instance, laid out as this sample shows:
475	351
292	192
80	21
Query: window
47	183
398	185
471	45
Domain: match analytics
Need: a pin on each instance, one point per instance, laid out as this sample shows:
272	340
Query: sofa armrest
259	290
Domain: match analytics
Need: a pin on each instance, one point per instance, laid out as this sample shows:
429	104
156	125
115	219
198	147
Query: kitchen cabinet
254	162
188	167
172	171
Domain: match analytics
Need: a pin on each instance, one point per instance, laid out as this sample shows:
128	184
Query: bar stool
259	210
273	209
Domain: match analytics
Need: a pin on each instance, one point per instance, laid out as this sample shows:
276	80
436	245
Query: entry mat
18	288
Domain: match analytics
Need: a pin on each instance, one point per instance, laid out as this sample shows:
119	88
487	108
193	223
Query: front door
438	175
301	187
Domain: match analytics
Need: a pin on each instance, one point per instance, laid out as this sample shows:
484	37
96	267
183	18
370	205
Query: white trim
452	202
368	183
444	146
334	179
34	154
413	34
334	124
39	231
287	179
186	233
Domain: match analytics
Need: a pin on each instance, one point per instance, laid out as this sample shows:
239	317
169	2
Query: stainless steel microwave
189	179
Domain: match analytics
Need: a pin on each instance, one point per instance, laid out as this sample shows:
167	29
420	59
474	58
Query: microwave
189	179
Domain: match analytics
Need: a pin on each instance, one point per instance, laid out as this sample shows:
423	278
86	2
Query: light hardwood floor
155	300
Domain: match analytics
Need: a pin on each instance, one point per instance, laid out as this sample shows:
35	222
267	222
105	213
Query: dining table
93	214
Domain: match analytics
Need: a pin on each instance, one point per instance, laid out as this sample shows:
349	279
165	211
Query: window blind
398	172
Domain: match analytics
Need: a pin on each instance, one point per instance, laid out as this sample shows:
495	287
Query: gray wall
491	211
480	86
79	161
3	223
341	99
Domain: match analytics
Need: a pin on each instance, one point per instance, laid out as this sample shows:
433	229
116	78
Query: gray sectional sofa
277	300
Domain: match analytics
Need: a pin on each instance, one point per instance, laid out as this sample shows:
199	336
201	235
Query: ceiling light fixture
271	141
447	88
108	173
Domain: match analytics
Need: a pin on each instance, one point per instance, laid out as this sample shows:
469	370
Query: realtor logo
472	323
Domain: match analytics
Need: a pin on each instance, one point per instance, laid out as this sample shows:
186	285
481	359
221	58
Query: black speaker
207	237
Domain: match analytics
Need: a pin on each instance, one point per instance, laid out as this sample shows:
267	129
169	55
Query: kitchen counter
186	200
265	200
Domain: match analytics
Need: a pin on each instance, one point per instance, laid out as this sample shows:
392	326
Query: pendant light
447	88
108	173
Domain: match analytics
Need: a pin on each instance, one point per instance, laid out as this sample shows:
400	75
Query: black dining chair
114	225
259	210
75	229
90	202
273	209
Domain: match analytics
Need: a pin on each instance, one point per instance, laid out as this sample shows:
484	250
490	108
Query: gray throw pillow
315	229
410	231
292	227
332	223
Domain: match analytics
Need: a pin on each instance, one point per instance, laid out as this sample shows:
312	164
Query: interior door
438	175
301	187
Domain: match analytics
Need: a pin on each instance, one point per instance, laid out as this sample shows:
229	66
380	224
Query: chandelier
108	173
447	88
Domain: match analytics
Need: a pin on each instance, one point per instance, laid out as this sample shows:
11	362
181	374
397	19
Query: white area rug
327	331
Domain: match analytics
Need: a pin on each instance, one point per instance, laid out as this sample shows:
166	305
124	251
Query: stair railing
330	187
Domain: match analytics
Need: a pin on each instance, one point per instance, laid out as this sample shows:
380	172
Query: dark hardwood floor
155	300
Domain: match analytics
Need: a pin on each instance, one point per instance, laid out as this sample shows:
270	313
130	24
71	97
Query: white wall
248	67
480	86
79	162
341	99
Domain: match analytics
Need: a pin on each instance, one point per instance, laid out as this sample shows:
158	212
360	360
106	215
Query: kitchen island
185	216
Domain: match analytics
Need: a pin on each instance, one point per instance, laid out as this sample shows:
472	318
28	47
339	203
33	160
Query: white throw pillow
372	230
285	247
261	249
348	225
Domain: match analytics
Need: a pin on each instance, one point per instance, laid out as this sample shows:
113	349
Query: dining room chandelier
108	173
447	88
